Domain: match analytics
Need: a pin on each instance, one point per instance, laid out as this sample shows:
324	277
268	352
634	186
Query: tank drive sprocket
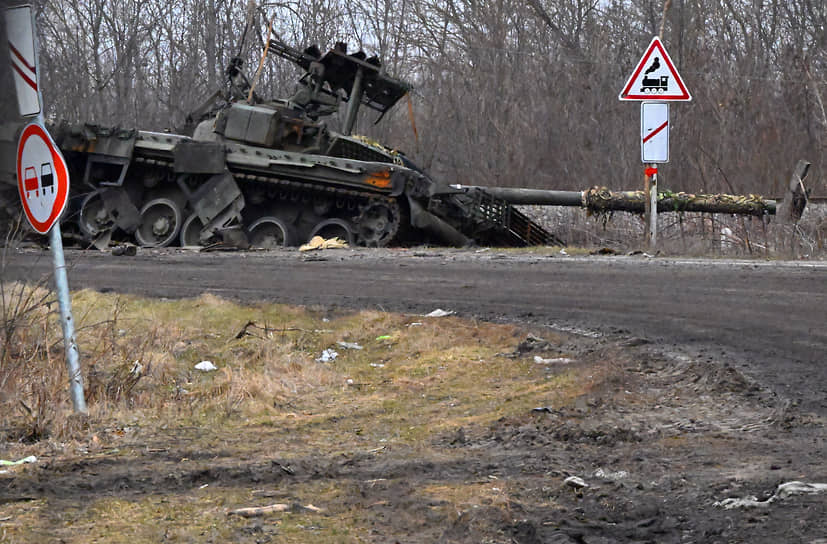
378	223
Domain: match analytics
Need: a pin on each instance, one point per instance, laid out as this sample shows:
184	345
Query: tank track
351	202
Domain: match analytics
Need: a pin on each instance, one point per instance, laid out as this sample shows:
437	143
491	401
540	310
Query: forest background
505	92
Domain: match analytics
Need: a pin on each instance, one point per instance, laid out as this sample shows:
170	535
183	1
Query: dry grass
415	379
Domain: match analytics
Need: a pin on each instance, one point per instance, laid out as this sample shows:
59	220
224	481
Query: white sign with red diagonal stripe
42	177
654	132
19	29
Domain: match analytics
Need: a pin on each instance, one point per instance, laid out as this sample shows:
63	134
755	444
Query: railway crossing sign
20	31
654	132
655	77
42	177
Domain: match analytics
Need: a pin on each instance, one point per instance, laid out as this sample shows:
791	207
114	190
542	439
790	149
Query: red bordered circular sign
42	177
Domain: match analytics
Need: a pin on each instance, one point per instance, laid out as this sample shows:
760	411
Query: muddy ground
675	422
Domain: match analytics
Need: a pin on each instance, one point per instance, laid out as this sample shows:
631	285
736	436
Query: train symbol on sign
655	84
46	181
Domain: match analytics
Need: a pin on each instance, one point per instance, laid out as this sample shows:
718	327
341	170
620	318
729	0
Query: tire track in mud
658	441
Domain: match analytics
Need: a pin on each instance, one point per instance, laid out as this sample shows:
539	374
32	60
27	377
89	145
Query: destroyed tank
270	173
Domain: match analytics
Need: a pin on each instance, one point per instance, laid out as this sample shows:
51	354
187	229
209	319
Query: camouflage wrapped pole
601	199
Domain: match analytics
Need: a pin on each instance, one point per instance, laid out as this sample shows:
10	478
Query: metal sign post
654	148
42	177
650	189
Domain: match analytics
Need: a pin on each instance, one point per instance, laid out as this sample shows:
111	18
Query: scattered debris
634	341
206	366
746	502
126	250
604	251
378	365
439	312
575	482
609	475
531	344
349	345
327	356
265	329
563	252
284	468
383	337
317	242
553	361
255	511
544	409
782	492
24	461
415	324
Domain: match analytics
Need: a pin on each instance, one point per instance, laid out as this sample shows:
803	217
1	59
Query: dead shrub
31	375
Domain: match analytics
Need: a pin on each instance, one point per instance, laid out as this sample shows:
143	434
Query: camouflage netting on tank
375	144
600	200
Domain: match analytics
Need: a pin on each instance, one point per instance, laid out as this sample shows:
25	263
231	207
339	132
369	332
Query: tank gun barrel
544	197
601	199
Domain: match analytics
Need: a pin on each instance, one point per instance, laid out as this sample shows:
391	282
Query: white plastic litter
206	366
439	312
609	475
799	488
554	361
783	491
746	502
576	482
24	461
349	345
327	356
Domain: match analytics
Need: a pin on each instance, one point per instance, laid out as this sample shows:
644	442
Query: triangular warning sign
655	77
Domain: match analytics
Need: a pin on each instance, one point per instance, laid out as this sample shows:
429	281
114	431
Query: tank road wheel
191	231
269	233
93	218
377	225
334	228
161	220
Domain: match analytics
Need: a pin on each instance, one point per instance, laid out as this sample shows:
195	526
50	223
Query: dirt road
768	318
